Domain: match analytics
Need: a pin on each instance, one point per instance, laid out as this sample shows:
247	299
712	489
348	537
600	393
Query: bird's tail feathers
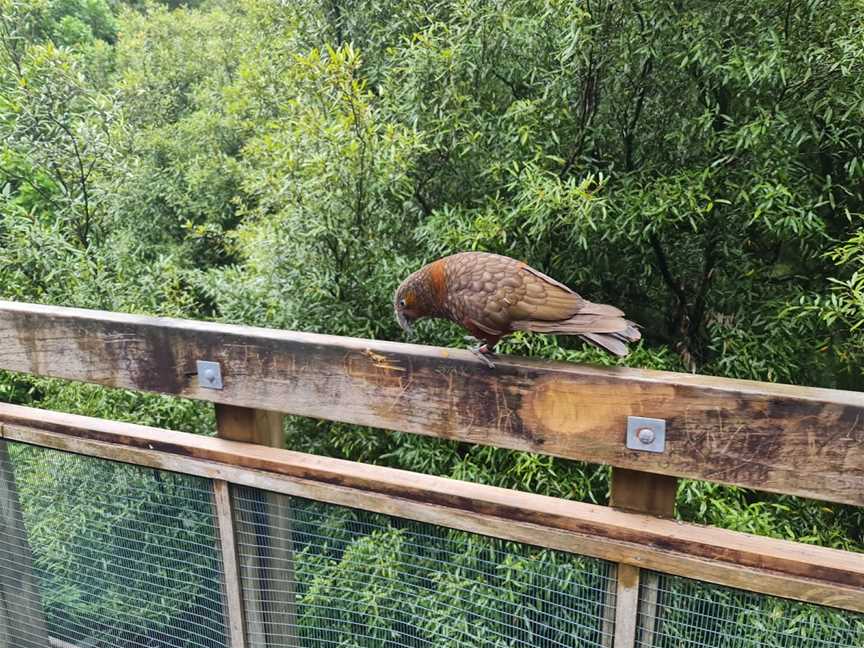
601	325
590	308
613	342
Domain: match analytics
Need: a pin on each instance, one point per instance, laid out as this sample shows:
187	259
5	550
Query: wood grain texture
651	494
764	565
21	617
632	490
230	566
626	606
779	438
271	608
263	427
650	608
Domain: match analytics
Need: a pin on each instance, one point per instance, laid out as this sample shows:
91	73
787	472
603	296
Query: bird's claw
482	351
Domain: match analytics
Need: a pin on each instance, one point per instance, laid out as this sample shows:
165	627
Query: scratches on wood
764	565
778	438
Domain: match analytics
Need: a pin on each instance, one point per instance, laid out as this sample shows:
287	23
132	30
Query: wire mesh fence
692	614
105	554
122	556
370	580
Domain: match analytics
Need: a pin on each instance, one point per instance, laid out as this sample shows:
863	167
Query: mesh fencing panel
112	555
353	578
692	614
123	556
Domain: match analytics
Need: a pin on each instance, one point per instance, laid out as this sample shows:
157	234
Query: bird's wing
600	324
484	328
548	300
547	279
538	297
495	292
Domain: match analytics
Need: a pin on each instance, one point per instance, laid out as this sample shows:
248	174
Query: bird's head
407	302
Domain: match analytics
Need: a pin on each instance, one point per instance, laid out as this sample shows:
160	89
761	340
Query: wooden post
250	425
21	617
270	612
640	492
648	607
643	492
233	588
626	605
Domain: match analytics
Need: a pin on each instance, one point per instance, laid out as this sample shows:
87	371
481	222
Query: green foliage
64	22
180	175
706	615
328	176
70	22
286	164
778	516
118	523
56	133
840	310
373	581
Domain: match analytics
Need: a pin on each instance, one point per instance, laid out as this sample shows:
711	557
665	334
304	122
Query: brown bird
492	296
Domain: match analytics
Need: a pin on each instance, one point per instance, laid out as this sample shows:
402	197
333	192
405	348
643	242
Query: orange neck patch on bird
438	279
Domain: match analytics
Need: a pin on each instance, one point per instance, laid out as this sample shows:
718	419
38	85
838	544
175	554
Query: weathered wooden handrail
754	563
793	440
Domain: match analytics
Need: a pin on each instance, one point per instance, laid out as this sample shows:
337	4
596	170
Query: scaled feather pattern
491	296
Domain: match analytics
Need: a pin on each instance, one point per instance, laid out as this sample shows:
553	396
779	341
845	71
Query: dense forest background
285	164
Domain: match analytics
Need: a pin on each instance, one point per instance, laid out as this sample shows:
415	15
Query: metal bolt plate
646	434
209	374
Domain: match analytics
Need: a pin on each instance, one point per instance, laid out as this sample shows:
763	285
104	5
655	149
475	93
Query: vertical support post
250	425
643	492
648	608
270	610
21	615
626	605
233	599
652	494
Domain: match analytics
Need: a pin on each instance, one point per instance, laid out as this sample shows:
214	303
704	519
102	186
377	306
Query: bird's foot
483	352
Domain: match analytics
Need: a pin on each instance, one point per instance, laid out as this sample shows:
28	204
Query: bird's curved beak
404	322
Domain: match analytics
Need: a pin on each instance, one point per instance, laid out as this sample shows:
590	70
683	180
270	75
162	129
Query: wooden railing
778	438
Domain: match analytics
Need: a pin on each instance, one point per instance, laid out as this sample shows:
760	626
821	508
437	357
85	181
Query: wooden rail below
793	440
754	563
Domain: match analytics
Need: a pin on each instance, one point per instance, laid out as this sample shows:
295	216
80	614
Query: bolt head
645	435
209	375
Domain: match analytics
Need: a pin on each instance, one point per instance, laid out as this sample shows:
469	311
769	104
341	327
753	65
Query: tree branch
662	262
589	107
8	44
514	89
84	230
647	66
709	263
21	179
360	180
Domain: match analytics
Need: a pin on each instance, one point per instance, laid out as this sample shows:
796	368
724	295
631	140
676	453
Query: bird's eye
402	303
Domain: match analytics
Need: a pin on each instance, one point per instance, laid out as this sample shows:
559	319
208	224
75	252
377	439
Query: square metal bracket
209	374
646	434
